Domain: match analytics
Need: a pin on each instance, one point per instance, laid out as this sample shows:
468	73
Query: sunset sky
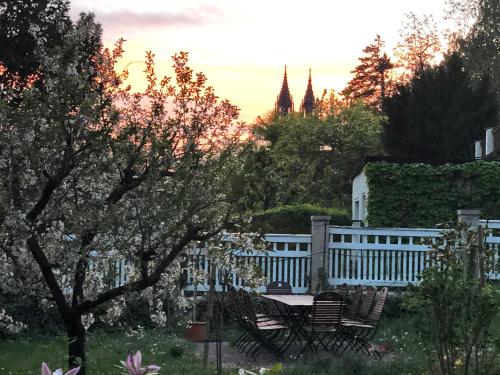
242	46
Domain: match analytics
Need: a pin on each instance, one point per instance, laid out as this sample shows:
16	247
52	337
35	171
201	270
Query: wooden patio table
294	309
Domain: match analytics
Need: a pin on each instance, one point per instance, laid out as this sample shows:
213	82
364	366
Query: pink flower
133	366
46	370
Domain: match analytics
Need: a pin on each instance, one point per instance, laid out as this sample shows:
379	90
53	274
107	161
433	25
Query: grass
174	355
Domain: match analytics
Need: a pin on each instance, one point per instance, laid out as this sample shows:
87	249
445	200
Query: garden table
294	309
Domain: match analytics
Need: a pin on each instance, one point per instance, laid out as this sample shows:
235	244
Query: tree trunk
76	343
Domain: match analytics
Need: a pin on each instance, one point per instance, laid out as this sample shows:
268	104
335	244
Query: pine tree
370	77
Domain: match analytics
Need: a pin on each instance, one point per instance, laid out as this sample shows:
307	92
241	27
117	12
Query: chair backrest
278	287
378	306
327	308
355	301
366	302
343	290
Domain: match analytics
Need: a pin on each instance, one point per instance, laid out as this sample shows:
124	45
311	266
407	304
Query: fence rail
378	256
493	242
288	260
368	256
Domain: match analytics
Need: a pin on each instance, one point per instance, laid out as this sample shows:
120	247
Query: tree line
431	100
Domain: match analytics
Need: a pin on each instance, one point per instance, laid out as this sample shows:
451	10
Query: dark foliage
24	25
295	218
439	114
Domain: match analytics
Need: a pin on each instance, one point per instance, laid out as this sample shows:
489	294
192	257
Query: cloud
126	19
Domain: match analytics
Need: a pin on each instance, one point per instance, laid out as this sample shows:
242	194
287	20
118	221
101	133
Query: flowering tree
93	174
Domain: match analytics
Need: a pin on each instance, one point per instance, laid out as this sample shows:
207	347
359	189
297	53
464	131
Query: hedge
421	195
295	219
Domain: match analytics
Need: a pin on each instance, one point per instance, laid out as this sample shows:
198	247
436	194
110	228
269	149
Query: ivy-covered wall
422	195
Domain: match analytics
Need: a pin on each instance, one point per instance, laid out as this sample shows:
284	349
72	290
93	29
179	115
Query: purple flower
133	366
46	370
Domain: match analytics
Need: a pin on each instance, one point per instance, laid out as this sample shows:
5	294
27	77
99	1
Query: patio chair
359	333
343	290
270	307
262	332
323	322
279	287
354	303
362	304
234	305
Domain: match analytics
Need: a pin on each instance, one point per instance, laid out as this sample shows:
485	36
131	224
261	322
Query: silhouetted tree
419	45
480	43
370	77
439	113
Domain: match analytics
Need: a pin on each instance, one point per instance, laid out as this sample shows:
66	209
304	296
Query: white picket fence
378	256
367	256
288	260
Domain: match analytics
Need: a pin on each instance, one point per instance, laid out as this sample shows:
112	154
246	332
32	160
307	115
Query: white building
487	149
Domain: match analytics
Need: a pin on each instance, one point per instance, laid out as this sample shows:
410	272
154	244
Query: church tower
284	102
307	105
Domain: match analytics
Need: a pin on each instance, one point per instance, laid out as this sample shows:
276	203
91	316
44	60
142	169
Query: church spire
308	102
284	102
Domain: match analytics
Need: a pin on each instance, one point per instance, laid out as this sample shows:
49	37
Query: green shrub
295	219
455	305
39	320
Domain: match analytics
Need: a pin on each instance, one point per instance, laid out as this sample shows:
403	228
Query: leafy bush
455	305
295	219
37	317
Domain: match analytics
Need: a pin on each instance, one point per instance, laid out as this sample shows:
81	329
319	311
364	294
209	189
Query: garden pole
210	312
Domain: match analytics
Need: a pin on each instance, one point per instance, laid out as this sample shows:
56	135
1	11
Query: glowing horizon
242	47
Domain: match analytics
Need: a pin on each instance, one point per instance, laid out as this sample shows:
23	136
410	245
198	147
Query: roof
404	160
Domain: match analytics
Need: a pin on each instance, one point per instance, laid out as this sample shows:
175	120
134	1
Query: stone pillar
469	217
319	247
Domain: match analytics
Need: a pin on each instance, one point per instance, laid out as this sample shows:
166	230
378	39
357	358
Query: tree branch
48	275
141	284
128	182
52	184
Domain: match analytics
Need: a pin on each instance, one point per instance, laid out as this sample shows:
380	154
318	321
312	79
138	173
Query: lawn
176	356
105	351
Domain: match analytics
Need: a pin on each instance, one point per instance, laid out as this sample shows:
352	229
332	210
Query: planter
197	331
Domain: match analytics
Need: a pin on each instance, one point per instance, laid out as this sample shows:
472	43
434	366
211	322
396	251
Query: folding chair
343	290
279	287
360	332
325	318
270	307
352	307
362	305
261	331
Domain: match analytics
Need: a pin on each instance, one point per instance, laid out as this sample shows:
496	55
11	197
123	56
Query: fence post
319	247
472	260
469	217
